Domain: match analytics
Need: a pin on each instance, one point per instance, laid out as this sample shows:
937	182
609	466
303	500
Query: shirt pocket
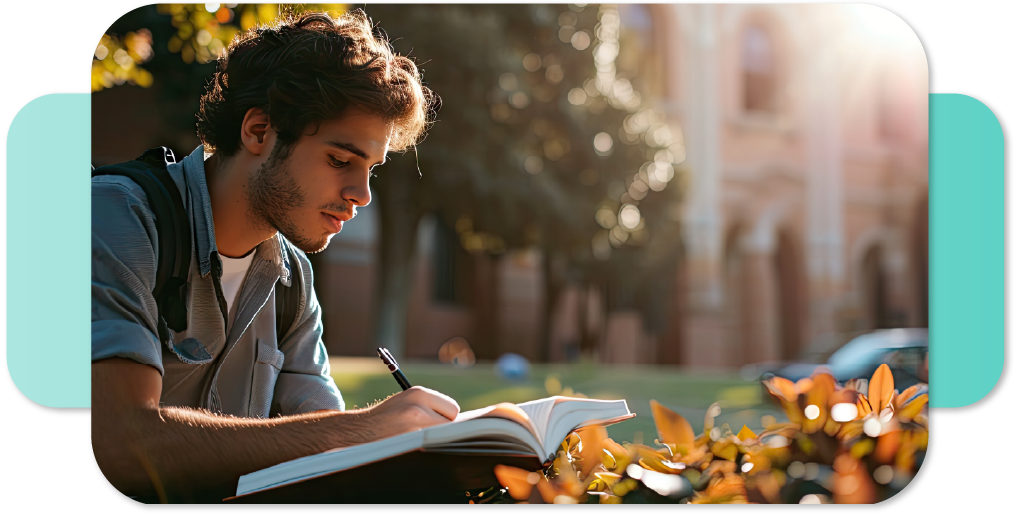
266	371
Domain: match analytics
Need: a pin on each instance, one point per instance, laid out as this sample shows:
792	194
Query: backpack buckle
158	157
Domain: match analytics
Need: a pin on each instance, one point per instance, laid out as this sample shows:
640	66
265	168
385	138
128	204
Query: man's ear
256	134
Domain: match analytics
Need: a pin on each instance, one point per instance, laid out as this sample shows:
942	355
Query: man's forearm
184	454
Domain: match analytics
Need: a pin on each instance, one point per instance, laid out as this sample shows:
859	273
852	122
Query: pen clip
387	358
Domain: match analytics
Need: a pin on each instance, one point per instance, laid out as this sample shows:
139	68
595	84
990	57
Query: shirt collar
274	249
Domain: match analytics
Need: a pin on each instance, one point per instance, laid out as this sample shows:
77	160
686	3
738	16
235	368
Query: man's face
308	195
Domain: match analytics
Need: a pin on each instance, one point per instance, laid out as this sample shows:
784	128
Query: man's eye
336	162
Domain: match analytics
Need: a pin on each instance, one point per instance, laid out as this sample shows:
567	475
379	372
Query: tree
539	143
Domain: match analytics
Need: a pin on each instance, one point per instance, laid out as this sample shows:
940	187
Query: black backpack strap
288	300
173	227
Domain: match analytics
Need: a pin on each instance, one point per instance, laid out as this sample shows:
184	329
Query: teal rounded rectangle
966	250
48	239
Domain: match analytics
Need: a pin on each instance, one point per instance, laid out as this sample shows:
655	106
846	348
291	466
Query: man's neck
235	234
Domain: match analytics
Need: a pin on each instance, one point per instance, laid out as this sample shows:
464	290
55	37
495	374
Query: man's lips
334	223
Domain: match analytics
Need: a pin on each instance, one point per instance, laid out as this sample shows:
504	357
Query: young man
294	120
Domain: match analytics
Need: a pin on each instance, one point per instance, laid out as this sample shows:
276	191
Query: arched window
643	53
789	278
875	309
758	71
889	107
452	267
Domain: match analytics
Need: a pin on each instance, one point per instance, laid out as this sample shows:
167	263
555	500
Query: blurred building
806	211
805	200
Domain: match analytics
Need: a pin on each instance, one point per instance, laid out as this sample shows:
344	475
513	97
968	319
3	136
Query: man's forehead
371	134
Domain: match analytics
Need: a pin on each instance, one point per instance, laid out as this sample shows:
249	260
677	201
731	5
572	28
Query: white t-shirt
233	272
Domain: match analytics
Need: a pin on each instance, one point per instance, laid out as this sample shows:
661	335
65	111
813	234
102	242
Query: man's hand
187	455
412	409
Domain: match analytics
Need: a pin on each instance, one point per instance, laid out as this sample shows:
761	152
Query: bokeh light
603	143
552	385
883	474
533	165
629	216
456	351
116	61
796	469
606	217
519	100
507	81
812	412
844	412
872	427
577	96
580	40
811	471
531	62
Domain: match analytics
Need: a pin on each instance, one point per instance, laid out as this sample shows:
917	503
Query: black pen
386	357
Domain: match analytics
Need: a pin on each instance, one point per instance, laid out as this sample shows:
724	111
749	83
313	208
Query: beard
273	198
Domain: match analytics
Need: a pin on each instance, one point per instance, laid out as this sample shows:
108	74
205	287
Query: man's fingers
439	402
431	417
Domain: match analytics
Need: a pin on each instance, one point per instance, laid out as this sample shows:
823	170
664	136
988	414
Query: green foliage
512	160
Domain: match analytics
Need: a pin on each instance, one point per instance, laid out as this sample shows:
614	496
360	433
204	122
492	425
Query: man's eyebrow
353	149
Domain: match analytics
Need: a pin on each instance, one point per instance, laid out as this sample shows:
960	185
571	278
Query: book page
487	429
328	462
512	412
539	412
570	413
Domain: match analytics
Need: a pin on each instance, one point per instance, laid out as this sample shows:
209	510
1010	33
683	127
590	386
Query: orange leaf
547	491
881	388
804	385
727	490
672	427
614	456
746	433
905	395
831	427
864	408
725	450
592	437
608	477
850	430
661	466
910	410
854	486
769	487
781	388
886	447
822	388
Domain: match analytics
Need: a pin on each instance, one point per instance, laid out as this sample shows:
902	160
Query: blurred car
905	351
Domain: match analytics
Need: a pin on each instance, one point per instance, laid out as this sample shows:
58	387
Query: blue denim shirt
242	370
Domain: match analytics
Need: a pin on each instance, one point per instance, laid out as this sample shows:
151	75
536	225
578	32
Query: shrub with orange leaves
857	443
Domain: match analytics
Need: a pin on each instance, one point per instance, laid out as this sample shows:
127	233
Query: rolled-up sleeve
305	382
124	312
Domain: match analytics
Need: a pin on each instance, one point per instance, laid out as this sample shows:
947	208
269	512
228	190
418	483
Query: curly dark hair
310	68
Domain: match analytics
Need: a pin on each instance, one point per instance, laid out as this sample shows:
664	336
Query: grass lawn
362	381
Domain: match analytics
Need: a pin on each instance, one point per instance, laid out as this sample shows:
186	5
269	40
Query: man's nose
358	193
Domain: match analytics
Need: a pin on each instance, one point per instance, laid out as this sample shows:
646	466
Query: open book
532	429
